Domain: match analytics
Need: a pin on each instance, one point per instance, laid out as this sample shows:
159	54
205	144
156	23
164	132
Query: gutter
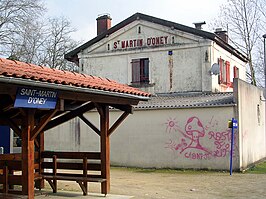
29	82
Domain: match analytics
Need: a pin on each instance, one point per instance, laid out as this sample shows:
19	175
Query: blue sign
35	98
234	121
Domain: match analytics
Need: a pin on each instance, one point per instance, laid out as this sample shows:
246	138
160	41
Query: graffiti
191	140
197	156
171	125
194	130
174	146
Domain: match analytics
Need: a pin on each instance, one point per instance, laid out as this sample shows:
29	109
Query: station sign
35	98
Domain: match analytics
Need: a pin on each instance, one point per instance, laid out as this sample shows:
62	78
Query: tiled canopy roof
16	69
188	100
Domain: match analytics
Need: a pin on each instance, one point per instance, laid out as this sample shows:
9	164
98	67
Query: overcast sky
83	13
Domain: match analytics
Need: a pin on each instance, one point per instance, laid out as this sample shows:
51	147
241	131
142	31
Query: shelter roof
188	100
72	55
15	71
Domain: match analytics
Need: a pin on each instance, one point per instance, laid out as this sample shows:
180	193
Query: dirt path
172	185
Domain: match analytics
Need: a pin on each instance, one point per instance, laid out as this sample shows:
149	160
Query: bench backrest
89	161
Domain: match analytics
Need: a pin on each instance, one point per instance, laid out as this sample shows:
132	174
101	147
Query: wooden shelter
36	98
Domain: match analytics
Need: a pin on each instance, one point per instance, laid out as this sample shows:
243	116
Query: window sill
224	84
142	85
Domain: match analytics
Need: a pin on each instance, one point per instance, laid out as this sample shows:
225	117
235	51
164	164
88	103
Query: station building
198	82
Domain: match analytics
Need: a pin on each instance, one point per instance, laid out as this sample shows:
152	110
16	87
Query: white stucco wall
158	138
251	113
188	68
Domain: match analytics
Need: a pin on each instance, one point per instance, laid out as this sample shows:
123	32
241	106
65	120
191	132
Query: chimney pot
103	23
198	25
222	34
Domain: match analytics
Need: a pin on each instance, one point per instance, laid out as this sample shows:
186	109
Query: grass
170	171
258	168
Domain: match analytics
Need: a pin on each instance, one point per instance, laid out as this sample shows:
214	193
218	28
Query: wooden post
5	181
40	138
105	149
28	155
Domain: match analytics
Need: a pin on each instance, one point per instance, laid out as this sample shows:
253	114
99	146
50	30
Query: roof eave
29	82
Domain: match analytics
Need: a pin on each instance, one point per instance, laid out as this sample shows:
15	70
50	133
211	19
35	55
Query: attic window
173	40
108	47
139	29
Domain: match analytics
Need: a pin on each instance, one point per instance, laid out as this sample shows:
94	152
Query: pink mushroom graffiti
190	139
194	130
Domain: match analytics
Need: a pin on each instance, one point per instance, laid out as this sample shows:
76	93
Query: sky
83	13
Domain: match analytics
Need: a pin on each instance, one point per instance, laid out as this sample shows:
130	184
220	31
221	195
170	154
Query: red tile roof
23	70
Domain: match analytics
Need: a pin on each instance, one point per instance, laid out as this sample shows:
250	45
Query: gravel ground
148	184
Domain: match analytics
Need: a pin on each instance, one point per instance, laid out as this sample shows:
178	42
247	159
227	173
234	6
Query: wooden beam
99	108
98	98
42	124
28	155
70	115
105	149
94	128
14	126
117	123
125	108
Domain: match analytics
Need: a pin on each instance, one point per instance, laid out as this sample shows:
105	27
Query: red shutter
227	65
220	61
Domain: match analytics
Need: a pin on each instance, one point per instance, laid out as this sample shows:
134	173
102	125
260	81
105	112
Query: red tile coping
17	69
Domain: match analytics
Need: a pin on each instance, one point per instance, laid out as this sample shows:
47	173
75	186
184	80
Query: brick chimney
222	34
103	23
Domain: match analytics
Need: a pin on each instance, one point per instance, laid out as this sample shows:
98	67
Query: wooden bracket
117	123
53	184
42	124
84	187
96	130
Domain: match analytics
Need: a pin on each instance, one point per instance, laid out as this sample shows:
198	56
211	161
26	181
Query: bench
10	175
60	162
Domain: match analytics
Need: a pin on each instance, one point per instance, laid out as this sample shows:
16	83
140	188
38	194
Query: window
224	76
140	71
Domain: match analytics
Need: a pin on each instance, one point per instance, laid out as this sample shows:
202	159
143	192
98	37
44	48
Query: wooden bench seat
71	161
72	178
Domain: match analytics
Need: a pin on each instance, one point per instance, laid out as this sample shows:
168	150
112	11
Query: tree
27	46
14	14
26	36
243	20
59	42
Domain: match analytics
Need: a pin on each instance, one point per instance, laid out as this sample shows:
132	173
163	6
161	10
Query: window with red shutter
224	76
223	72
227	65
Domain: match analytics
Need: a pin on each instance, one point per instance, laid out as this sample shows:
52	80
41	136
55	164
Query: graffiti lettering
197	156
190	146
